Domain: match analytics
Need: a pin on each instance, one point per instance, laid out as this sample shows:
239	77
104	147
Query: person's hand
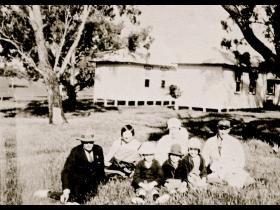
107	163
65	196
216	166
203	179
145	186
151	185
142	184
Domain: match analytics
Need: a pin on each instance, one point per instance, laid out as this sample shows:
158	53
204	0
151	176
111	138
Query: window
148	67
253	76
147	82
238	87
270	87
238	84
238	81
162	83
252	87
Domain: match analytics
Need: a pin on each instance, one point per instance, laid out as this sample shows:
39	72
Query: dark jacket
141	173
187	166
79	174
170	172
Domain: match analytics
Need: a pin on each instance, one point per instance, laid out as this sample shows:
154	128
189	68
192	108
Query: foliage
174	91
102	32
250	19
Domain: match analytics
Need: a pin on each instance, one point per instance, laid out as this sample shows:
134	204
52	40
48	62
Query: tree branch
24	56
84	17
248	33
58	53
18	10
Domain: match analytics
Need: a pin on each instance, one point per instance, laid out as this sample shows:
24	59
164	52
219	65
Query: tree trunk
72	98
56	113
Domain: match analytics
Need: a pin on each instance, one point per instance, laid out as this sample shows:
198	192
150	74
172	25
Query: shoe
155	197
113	172
137	200
72	203
262	180
41	193
163	199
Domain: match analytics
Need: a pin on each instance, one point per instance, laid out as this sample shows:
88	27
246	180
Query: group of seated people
175	162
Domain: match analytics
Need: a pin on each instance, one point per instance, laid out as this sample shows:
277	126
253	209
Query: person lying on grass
148	176
82	173
193	165
225	157
123	154
173	171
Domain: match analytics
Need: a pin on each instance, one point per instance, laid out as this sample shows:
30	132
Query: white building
217	87
208	85
127	82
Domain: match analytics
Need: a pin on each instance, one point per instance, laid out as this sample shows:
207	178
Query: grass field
33	153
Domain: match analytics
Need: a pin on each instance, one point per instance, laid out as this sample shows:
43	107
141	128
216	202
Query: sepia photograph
139	104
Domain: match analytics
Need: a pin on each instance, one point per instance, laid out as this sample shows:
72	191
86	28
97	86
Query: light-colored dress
127	152
164	145
226	159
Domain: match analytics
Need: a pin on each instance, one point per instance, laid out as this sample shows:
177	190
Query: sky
184	32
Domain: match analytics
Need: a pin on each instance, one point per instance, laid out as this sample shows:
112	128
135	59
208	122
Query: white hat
147	148
173	123
87	136
195	142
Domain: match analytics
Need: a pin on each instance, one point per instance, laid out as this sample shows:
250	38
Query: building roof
212	56
141	56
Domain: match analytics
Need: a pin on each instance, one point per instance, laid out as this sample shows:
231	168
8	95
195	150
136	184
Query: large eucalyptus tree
58	42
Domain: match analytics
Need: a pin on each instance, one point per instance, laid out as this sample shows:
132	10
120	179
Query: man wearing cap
83	171
225	157
177	135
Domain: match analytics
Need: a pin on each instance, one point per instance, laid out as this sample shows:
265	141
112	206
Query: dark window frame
238	82
253	87
163	83
147	83
272	83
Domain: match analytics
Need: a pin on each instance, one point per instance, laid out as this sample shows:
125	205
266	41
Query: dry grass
34	154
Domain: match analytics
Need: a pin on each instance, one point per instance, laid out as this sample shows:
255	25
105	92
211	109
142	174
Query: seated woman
123	154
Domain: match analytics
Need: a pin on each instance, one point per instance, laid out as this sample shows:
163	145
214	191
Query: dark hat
176	150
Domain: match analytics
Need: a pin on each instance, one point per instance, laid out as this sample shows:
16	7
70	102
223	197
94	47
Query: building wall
202	86
213	86
274	95
127	82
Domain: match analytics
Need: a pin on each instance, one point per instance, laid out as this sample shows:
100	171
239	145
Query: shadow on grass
245	127
267	130
6	113
39	108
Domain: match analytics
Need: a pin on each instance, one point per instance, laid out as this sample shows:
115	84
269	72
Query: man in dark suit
83	171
